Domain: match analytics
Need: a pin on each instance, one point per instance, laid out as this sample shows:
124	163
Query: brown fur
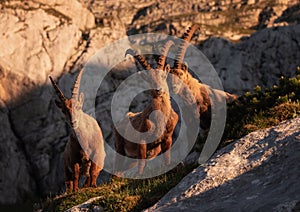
86	130
142	122
199	90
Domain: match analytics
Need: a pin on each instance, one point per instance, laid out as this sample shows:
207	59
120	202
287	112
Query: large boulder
258	172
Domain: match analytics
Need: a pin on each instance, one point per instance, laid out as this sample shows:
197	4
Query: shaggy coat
158	126
185	82
84	153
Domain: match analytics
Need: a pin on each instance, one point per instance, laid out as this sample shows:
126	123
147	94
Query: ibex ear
167	68
59	104
81	98
185	66
143	74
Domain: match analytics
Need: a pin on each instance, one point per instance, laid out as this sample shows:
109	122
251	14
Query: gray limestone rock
258	172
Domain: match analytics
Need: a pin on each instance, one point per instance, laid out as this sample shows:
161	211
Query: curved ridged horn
164	53
58	91
76	86
183	45
139	58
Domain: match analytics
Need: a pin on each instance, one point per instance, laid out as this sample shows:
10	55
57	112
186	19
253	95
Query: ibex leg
94	172
142	158
76	176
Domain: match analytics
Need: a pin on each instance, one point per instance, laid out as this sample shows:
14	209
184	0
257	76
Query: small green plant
260	109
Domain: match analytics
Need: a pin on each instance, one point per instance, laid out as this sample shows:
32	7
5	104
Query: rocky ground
40	37
259	172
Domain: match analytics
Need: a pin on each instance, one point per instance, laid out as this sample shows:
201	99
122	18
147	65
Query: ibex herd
84	153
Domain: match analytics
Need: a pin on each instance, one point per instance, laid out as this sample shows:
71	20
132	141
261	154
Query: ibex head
70	107
180	70
155	76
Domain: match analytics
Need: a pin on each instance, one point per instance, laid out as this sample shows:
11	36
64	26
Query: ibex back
183	80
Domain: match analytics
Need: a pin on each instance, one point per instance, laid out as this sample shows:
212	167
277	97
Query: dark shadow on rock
33	138
291	15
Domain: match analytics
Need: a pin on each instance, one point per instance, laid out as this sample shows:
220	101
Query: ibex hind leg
76	177
85	170
166	146
69	180
118	163
87	182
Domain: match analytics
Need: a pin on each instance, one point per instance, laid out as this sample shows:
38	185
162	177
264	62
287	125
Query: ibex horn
183	45
139	58
162	58
58	91
76	86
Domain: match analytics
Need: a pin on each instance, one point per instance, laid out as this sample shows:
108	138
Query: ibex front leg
142	157
166	146
94	172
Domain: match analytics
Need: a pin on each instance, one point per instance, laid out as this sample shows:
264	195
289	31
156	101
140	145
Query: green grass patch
261	109
121	194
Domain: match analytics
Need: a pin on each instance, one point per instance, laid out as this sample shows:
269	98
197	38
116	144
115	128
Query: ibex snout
159	91
176	87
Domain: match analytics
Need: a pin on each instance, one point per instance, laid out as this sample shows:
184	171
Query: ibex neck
78	121
162	103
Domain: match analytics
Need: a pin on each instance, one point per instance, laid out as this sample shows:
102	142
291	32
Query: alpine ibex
84	153
198	89
159	125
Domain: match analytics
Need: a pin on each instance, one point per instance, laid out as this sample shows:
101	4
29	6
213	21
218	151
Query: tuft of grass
261	109
121	194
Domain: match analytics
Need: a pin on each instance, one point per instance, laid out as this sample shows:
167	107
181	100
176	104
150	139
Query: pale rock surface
86	206
77	14
258	172
225	18
39	39
260	59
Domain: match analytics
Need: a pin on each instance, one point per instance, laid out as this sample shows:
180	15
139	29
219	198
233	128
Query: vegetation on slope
255	110
120	194
260	109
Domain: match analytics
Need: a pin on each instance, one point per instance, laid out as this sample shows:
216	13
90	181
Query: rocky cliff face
56	37
226	18
257	60
260	59
39	38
